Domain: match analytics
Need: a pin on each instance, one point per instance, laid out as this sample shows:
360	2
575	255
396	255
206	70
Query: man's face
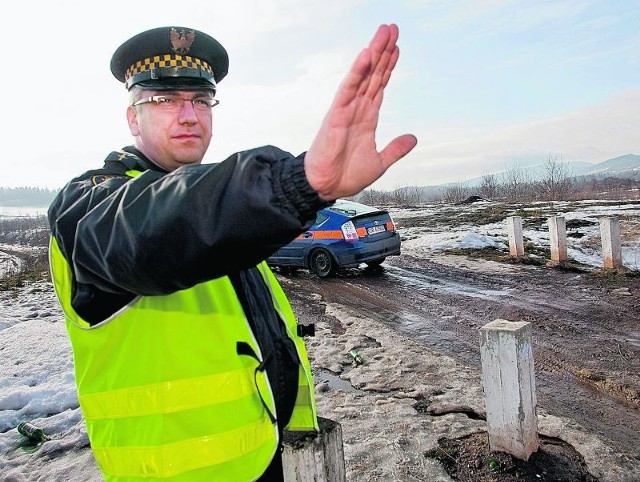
171	130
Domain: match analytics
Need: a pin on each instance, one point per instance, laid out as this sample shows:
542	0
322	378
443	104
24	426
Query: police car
344	235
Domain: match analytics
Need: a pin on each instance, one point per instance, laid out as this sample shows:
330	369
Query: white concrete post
514	228
509	386
558	239
314	457
611	244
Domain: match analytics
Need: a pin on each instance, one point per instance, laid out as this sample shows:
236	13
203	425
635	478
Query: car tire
321	263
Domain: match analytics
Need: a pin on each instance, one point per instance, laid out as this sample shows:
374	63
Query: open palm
343	158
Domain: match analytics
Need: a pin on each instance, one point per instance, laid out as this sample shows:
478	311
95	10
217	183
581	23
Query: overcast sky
482	84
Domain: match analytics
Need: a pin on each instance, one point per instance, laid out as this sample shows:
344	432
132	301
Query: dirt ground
586	338
413	410
470	460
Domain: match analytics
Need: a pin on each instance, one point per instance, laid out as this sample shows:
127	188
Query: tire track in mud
445	307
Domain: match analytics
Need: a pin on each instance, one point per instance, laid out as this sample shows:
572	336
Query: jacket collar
129	158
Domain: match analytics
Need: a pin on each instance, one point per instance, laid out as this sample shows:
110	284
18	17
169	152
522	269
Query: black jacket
160	232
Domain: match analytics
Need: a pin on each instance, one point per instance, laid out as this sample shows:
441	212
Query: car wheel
321	263
375	263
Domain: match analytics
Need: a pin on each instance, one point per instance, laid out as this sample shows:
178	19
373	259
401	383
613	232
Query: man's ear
132	119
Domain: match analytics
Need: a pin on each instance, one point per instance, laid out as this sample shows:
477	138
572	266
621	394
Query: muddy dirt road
586	326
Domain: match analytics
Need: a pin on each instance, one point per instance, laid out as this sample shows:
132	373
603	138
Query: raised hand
343	158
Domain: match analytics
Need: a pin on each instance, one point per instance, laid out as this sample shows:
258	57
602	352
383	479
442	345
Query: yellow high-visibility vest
163	391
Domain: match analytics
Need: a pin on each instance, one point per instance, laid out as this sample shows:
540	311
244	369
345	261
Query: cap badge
181	40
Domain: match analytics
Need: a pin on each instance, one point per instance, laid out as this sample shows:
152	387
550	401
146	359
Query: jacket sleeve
155	234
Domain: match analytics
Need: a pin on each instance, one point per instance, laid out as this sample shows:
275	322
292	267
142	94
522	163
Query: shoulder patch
100	178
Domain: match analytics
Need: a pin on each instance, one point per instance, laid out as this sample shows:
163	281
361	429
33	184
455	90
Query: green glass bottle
32	432
356	356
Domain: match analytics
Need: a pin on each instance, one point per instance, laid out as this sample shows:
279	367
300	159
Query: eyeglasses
174	103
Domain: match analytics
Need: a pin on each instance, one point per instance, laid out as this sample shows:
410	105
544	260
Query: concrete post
611	244
314	457
558	239
509	386
514	228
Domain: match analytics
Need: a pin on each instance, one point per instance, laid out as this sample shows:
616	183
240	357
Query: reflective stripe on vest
164	401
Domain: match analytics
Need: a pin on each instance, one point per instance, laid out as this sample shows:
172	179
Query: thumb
397	149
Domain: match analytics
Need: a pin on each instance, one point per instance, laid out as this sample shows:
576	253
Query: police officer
188	361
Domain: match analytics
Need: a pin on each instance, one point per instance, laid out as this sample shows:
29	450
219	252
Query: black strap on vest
243	348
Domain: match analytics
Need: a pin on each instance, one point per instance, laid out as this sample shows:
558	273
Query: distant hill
616	166
622	166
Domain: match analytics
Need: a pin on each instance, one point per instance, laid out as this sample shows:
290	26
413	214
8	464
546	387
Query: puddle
423	282
335	382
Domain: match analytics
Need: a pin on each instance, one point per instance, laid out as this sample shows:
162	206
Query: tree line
516	185
26	196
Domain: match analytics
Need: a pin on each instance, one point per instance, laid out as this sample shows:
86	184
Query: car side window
320	218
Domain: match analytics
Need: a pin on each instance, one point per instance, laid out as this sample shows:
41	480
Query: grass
35	267
614	274
30	236
534	256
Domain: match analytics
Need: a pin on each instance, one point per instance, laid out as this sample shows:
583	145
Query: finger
392	65
397	149
383	43
383	64
382	83
381	40
350	85
374	79
377	99
378	46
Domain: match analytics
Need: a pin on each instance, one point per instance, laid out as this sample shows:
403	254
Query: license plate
376	229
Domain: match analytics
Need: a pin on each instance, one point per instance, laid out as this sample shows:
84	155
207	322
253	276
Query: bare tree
408	195
489	186
368	196
517	184
455	193
556	184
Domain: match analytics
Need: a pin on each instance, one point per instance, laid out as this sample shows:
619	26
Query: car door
295	253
